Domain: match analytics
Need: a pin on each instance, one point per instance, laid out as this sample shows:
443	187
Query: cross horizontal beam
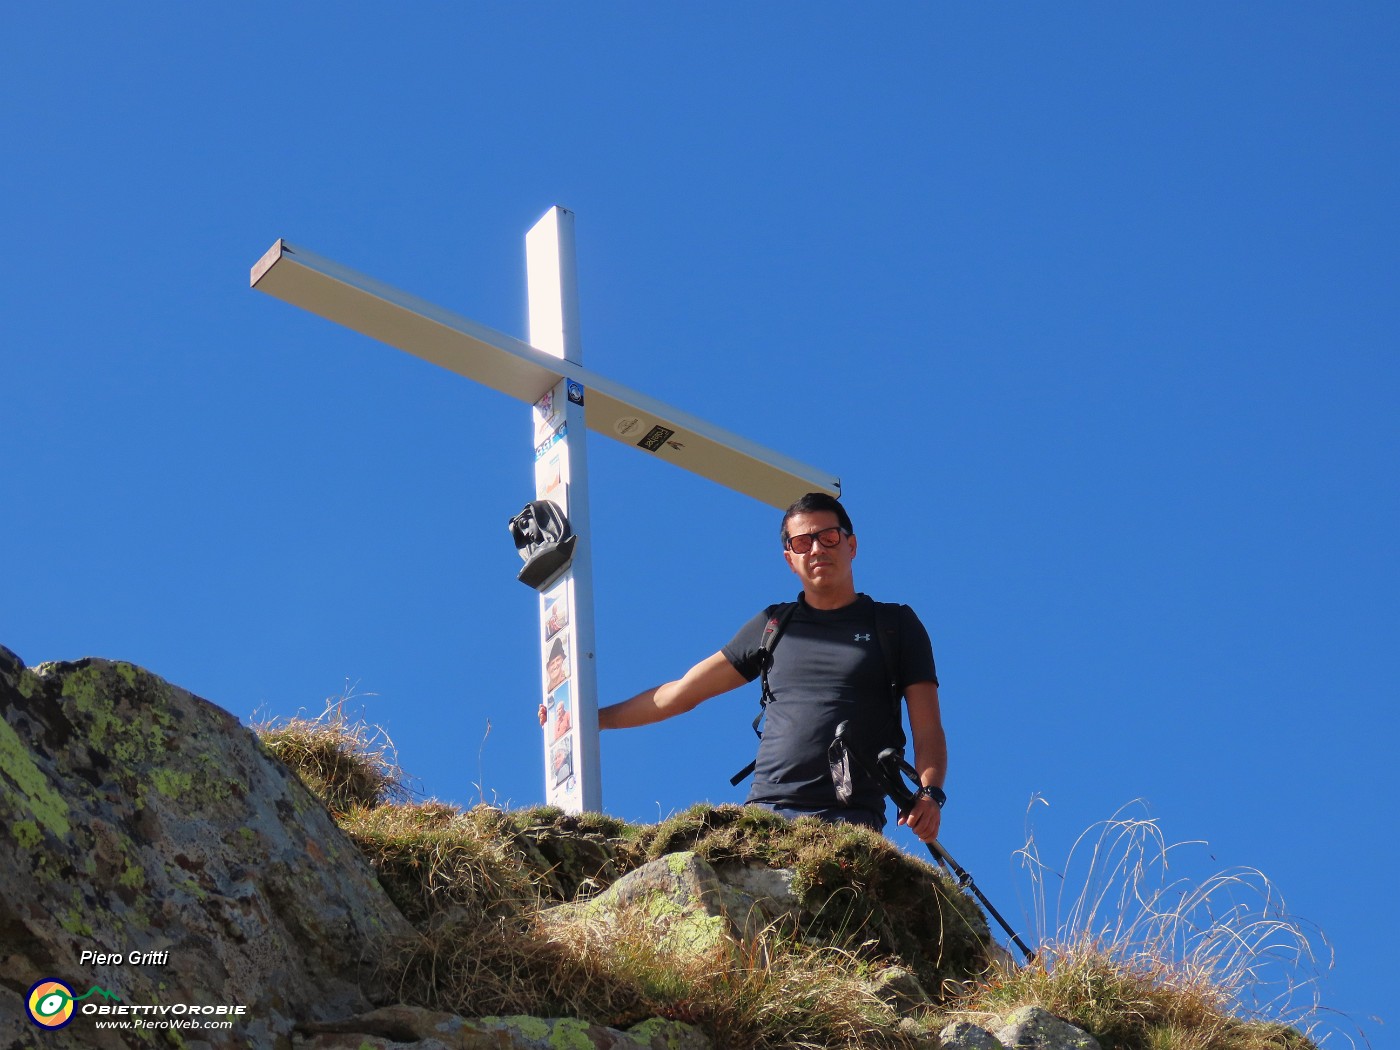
516	368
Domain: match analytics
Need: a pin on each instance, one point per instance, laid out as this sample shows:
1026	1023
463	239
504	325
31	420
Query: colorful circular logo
50	1004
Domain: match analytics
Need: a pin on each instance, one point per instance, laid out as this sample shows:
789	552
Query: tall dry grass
1146	959
340	757
773	992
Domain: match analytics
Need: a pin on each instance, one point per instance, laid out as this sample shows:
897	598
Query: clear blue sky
1093	309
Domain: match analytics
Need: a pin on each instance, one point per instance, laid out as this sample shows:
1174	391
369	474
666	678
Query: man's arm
930	756
710	677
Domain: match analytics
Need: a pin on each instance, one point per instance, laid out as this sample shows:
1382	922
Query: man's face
821	568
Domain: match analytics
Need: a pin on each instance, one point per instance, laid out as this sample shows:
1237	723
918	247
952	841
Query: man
827	668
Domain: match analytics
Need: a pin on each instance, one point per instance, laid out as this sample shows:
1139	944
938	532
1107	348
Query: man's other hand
924	819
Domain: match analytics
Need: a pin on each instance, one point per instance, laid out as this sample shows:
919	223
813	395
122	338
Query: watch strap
935	793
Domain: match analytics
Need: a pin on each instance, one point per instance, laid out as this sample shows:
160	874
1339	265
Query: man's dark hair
815	502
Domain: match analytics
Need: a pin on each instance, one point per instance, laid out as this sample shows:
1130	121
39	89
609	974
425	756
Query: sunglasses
826	537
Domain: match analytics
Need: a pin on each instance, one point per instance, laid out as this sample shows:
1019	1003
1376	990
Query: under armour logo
862	637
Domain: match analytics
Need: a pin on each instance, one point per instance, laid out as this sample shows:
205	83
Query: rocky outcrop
152	850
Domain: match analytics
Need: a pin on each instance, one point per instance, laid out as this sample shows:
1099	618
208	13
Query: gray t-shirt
827	669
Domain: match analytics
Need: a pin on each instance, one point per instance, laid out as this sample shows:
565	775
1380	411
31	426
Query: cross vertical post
573	779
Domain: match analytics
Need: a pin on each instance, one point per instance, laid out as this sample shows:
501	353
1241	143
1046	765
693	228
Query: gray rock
692	906
917	1035
765	893
1031	1028
680	897
900	989
964	1035
757	897
410	1026
148	826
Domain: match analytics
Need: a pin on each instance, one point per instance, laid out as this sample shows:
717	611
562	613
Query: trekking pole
891	769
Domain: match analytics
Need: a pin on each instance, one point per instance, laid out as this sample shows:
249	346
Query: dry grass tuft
1147	962
1130	1005
774	993
433	858
345	762
572	855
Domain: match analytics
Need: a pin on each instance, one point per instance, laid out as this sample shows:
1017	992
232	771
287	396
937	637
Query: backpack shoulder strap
778	617
888	616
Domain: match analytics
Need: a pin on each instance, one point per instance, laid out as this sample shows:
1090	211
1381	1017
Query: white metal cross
548	374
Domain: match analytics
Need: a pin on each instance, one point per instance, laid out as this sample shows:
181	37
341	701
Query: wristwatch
935	793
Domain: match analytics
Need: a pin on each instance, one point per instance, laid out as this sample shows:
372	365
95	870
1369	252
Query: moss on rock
856	888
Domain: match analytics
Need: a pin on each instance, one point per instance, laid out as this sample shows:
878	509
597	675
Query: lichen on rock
142	819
